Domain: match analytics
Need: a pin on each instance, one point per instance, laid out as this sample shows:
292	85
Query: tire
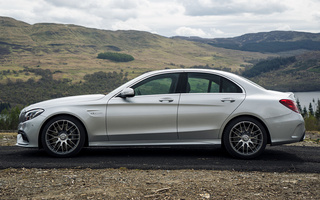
245	138
63	136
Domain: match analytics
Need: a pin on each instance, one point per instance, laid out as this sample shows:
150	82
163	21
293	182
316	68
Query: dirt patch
156	184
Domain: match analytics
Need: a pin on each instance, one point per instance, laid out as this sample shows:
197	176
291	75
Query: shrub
311	123
117	57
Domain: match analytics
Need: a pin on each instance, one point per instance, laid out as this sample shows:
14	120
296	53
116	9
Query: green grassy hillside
72	51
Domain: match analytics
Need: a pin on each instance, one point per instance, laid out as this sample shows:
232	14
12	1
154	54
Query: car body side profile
167	107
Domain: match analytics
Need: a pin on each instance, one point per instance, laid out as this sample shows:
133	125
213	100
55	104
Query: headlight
32	114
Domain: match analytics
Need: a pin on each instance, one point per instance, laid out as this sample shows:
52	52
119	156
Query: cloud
227	7
204	18
284	27
108	9
96	4
187	31
216	31
131	24
204	33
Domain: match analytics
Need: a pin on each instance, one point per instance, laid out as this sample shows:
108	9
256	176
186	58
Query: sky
202	18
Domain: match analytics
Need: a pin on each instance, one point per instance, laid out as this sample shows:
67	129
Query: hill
72	51
272	42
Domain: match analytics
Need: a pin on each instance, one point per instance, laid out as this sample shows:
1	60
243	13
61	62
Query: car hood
65	101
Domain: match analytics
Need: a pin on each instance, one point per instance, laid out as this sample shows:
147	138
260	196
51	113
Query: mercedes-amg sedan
167	107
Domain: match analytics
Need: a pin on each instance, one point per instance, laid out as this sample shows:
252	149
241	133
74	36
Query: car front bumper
28	132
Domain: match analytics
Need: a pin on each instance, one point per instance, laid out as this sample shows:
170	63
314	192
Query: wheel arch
251	116
62	114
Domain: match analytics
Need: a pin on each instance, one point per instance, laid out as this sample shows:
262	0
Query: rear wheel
63	136
245	138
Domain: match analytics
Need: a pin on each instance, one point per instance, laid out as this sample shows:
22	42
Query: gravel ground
156	184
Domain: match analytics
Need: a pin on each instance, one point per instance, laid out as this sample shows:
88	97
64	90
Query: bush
311	117
312	123
117	57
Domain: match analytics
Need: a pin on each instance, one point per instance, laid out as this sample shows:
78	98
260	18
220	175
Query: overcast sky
203	18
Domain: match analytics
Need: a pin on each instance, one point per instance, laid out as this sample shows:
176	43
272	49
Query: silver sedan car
167	107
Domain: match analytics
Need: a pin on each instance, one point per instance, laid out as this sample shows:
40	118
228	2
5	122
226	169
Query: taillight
290	104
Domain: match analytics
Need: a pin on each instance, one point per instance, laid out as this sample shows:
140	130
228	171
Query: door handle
166	100
228	99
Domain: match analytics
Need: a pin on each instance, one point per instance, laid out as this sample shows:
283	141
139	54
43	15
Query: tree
304	112
9	118
4	106
299	106
311	112
317	113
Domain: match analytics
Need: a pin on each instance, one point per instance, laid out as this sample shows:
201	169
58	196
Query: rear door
207	102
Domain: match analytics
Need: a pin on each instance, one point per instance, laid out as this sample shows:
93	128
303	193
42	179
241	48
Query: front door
150	115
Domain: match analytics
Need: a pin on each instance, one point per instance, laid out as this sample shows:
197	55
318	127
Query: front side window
210	83
161	84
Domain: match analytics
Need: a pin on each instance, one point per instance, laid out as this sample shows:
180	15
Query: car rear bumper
287	129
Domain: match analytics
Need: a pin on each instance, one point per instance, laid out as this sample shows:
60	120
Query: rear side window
229	87
210	83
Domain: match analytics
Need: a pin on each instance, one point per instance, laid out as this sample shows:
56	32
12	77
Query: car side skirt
156	143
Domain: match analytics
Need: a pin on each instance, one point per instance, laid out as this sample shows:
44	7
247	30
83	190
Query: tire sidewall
227	131
74	121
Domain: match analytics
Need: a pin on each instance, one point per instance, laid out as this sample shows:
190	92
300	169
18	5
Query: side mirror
127	92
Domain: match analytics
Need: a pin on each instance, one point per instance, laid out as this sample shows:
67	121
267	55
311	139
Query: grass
9	134
75	57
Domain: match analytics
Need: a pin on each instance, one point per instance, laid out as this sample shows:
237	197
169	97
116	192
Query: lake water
305	98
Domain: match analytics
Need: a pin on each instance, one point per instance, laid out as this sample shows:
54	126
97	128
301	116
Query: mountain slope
299	74
72	50
272	42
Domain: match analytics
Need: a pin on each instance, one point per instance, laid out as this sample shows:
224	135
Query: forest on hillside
273	47
294	74
267	66
32	91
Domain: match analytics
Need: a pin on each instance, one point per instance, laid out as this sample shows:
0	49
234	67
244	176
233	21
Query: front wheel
245	138
63	136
